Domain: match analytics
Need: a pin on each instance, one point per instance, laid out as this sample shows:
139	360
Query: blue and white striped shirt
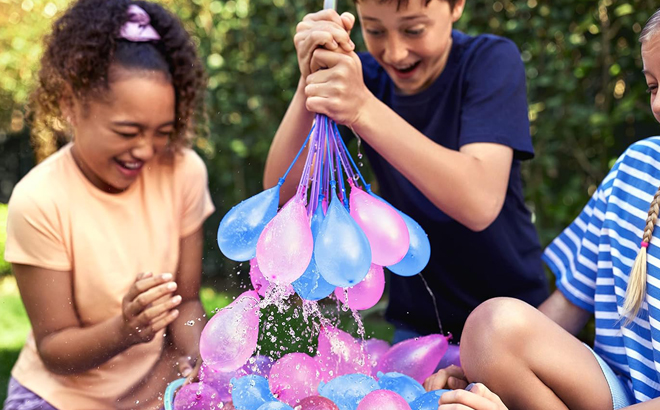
593	257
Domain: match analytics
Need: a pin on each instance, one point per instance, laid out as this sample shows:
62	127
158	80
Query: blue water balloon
341	250
427	401
250	392
346	391
240	228
275	405
419	251
311	285
405	386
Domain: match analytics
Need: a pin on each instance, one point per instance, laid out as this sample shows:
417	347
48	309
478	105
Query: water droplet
190	323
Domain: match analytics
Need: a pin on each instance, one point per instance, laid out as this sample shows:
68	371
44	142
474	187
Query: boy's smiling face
412	44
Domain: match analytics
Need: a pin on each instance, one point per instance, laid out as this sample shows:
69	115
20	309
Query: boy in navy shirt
444	119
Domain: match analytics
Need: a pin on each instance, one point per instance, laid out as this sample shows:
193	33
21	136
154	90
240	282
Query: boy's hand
337	91
477	398
325	29
149	307
451	377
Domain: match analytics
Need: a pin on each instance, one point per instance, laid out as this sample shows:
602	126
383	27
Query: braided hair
636	291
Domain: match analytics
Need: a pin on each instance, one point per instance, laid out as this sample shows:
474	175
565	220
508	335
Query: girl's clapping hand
149	306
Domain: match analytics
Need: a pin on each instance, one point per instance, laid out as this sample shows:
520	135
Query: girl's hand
336	87
189	368
322	29
451	377
149	307
477	398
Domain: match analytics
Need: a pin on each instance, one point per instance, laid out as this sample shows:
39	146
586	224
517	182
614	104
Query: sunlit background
586	96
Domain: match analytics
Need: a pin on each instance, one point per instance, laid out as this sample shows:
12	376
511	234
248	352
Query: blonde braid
636	291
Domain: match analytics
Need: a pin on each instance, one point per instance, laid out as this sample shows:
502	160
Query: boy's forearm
288	139
76	350
456	182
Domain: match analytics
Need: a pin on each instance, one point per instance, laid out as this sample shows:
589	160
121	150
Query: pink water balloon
230	337
385	228
196	396
259	282
219	381
316	403
367	293
339	353
262	285
383	400
285	246
293	377
375	349
417	358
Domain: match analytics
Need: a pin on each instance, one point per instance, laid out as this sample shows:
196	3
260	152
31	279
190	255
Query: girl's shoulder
47	179
649	146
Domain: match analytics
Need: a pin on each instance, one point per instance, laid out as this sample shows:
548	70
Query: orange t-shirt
58	220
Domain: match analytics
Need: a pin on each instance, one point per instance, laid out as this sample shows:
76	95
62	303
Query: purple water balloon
293	377
375	349
259	365
451	357
196	396
385	228
367	293
219	381
383	400
285	246
417	358
230	337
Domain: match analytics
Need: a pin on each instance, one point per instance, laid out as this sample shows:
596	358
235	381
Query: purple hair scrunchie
137	28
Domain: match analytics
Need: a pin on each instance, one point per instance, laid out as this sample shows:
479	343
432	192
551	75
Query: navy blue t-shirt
479	97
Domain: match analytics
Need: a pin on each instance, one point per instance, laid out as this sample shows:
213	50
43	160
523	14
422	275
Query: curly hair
404	3
82	47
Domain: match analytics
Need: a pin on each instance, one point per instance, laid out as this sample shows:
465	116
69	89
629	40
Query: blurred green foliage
4	265
586	90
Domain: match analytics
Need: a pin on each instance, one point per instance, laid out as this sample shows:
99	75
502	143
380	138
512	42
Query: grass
283	330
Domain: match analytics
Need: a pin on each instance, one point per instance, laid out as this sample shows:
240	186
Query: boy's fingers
348	20
325	15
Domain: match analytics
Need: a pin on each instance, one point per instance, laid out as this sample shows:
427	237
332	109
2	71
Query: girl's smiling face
651	61
412	44
117	134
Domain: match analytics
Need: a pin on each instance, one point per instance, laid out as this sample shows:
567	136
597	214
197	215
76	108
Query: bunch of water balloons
332	235
345	374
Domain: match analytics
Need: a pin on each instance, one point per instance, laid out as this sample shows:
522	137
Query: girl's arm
64	344
180	358
185	338
564	313
469	185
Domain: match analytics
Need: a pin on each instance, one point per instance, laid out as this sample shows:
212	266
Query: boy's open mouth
408	69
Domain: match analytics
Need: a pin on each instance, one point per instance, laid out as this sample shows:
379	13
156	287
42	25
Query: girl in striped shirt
607	263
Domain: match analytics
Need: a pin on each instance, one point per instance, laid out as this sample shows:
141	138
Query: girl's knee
494	327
